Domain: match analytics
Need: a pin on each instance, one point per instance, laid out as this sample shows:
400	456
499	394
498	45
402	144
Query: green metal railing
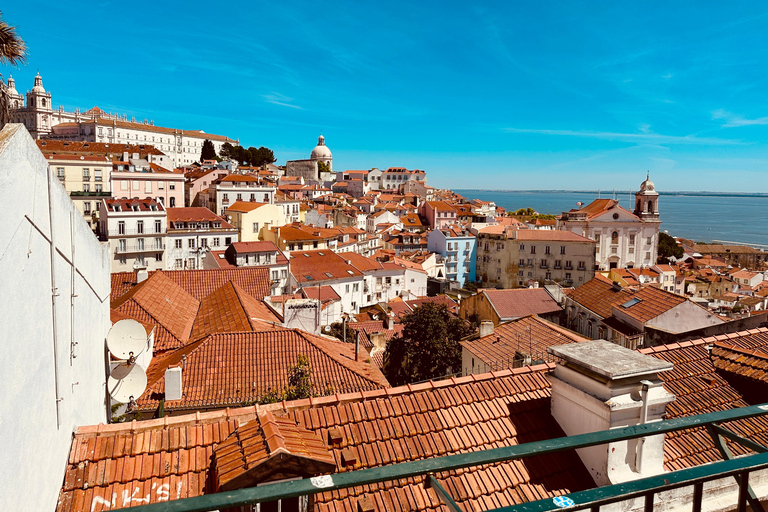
739	468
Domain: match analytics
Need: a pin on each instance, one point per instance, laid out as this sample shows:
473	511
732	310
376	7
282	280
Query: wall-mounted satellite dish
126	382
126	338
327	328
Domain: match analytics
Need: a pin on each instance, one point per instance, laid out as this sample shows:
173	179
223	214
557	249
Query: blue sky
509	95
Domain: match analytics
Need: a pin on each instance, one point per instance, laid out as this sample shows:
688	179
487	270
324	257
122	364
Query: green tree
13	51
322	167
428	347
668	247
226	150
261	156
208	152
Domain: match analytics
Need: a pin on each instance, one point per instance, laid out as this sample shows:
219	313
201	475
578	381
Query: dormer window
135	207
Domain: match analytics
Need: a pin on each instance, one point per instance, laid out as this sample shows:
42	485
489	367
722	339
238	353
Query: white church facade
94	125
624	239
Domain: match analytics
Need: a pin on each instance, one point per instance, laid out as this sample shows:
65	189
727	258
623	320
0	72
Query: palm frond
12	48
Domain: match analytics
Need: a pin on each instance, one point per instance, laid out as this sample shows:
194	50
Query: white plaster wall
684	317
35	447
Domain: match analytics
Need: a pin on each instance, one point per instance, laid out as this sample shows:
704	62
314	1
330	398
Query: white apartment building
95	125
236	187
255	254
136	232
193	232
86	179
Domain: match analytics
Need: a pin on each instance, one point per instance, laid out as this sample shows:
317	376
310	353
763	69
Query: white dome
648	187
12	87
38	84
321	151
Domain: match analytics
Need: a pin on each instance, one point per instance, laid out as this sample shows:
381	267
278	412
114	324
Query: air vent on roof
631	302
348	457
335	436
306	255
365	504
321	254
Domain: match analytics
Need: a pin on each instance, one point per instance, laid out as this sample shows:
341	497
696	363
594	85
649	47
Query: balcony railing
90	193
592	499
131	248
116	233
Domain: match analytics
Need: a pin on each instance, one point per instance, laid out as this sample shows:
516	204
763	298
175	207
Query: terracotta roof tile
199	283
600	296
529	335
514	303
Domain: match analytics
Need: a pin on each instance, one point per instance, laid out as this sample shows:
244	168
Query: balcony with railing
117	232
134	248
647	492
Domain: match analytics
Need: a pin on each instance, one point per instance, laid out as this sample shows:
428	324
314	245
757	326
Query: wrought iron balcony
133	248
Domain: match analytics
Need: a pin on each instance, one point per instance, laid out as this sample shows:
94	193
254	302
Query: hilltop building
623	239
309	168
95	125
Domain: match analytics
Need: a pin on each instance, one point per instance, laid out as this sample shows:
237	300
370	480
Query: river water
703	218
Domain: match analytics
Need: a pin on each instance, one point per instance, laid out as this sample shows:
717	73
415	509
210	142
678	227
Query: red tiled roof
752	364
199	134
652	303
230	309
199	283
95	148
160	301
195	214
514	303
244	206
451	304
263	246
310	267
529	335
377	428
272	448
600	296
126	205
699	388
234	368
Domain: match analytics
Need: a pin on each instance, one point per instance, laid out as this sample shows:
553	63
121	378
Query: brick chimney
602	386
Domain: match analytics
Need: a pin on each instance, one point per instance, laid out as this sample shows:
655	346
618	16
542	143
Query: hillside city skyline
588	98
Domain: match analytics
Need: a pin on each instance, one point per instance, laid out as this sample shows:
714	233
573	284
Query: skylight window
329	274
631	302
309	278
350	272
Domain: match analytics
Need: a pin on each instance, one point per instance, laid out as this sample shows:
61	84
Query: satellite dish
126	338
327	328
126	382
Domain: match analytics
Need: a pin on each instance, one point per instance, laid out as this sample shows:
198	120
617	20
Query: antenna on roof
126	340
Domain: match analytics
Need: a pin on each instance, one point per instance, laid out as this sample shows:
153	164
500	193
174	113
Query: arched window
615	237
650	206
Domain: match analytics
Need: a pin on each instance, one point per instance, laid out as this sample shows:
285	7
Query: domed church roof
321	150
647	187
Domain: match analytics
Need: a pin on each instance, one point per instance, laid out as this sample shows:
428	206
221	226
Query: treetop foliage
428	347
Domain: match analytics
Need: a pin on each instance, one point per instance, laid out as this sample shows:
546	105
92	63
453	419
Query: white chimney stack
173	383
603	386
486	328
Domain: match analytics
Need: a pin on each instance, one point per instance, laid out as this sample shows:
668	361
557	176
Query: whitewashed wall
36	366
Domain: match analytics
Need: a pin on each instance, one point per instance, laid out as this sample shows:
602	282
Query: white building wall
37	366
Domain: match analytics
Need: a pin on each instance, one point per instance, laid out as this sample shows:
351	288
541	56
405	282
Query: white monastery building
95	125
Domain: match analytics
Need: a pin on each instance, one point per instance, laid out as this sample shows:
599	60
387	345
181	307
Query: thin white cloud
631	137
667	76
279	99
733	120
